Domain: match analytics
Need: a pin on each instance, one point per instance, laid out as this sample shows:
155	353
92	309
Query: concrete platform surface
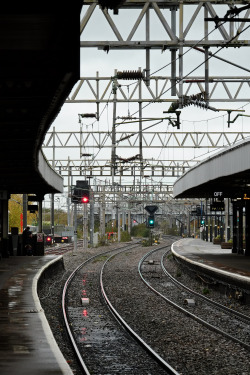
212	257
27	346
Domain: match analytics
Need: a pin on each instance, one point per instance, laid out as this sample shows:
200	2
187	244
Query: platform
27	346
229	267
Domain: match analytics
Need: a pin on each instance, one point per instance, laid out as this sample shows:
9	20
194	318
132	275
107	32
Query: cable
210	56
198	66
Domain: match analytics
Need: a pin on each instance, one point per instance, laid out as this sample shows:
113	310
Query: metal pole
181	39
173	54
52	216
40	216
25	200
226	219
91	218
118	224
102	214
113	152
140	132
52	205
129	221
147	49
85	226
75	227
69	192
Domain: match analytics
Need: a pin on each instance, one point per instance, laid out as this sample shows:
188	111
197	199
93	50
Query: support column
25	206
247	228
129	222
113	152
40	216
227	233
52	215
39	248
147	49
85	226
4	224
69	193
75	227
235	229
240	233
119	225
173	54
92	219
215	229
181	39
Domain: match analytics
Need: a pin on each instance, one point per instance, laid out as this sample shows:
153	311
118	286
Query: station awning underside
227	171
39	64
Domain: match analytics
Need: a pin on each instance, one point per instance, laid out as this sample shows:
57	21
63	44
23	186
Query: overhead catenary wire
198	66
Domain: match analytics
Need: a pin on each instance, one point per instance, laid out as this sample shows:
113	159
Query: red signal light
49	239
85	200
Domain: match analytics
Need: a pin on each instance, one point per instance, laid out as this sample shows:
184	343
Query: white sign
218	193
39	237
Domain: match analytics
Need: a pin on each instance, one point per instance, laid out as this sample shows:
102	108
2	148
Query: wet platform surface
206	254
27	345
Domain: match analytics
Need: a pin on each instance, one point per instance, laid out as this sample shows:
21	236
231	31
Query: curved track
215	316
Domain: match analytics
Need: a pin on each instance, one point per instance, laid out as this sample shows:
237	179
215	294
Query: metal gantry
189	26
159	139
160	87
178	22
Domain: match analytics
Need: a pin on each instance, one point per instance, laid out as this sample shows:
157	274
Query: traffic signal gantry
80	192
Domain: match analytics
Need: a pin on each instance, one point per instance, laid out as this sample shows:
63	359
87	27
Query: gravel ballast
186	345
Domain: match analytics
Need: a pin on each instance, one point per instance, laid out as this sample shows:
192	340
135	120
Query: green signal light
151	222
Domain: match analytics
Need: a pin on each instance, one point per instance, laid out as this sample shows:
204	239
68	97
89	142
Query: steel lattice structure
176	36
177	20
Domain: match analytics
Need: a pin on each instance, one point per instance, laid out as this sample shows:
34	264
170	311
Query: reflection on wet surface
23	345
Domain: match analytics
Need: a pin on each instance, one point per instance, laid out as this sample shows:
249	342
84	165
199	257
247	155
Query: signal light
85	199
151	221
80	192
49	240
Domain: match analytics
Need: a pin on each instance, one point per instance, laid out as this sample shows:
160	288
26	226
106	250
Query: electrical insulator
111	4
133	74
88	115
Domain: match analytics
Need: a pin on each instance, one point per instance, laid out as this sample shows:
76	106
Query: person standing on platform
27	241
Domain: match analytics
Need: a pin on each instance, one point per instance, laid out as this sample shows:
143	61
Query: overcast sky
192	118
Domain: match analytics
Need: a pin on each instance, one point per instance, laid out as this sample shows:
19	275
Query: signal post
80	194
151	218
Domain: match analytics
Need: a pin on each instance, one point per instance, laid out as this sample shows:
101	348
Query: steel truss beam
175	36
162	10
98	139
103	168
222	89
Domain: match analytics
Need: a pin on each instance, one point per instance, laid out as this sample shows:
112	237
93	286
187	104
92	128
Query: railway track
225	321
187	345
101	344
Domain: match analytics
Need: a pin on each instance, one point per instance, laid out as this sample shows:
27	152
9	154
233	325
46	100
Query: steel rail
170	370
185	311
64	309
226	309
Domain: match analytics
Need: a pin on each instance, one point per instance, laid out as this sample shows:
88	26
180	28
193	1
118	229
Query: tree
16	209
